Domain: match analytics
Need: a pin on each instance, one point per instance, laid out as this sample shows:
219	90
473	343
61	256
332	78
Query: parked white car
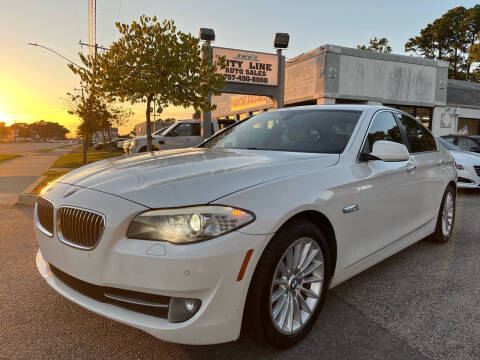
467	164
182	134
253	227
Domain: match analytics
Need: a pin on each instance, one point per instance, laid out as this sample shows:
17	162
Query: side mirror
390	151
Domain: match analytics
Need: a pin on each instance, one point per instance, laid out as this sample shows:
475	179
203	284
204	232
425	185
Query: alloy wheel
447	214
297	286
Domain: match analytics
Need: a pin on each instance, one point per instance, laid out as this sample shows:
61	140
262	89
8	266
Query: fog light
181	309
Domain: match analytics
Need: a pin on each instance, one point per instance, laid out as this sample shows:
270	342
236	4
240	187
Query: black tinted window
322	131
419	139
466	143
384	127
448	145
183	130
222	124
196	129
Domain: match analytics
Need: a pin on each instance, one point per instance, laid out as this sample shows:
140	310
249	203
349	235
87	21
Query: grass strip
50	175
6	157
74	159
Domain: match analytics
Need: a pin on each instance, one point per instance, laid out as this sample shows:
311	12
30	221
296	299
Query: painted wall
446	118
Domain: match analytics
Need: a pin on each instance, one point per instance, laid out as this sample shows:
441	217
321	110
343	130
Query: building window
422	114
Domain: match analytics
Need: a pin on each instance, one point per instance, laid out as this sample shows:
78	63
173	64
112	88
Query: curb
26	198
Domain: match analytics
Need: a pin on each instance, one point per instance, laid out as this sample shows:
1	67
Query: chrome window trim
37	220
69	243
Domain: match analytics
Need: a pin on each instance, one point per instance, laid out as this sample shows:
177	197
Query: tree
196	114
153	61
22	128
114	116
453	37
94	113
4	130
472	38
379	45
46	129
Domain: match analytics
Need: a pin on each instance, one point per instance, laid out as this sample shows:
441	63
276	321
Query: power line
93	46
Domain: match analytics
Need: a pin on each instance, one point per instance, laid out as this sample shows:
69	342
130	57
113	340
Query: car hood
191	176
466	157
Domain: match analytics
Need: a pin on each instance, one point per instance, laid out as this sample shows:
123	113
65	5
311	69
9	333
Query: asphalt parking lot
422	303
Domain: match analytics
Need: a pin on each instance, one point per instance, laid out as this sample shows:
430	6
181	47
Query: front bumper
468	178
207	271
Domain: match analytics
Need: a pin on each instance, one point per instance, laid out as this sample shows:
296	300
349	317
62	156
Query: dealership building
338	75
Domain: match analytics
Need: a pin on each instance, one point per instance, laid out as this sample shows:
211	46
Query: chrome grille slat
80	228
44	216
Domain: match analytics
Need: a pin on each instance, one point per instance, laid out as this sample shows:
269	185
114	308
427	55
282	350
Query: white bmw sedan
467	164
250	228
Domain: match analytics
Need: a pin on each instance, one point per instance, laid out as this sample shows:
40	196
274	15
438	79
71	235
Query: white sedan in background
467	164
253	226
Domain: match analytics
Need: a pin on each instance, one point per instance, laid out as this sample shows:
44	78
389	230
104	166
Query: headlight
458	166
188	225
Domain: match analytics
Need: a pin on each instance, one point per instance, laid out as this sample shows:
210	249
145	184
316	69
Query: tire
263	315
143	149
441	235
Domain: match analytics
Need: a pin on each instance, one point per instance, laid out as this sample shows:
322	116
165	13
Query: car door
429	168
385	191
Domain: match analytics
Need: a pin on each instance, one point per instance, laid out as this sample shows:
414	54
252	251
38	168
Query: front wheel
446	217
289	285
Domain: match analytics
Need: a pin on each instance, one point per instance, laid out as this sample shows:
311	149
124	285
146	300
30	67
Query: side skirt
416	235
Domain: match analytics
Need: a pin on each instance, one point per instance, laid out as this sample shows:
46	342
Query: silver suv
182	134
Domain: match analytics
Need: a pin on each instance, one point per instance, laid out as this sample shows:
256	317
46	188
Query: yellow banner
243	102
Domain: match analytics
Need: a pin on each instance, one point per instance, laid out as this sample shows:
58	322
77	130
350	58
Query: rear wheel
446	217
289	285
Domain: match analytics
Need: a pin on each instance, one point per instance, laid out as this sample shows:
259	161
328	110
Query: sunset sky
33	81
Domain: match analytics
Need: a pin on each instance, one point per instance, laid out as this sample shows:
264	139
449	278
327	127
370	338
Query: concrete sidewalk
18	174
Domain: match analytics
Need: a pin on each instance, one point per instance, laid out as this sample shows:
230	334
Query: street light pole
56	53
207	35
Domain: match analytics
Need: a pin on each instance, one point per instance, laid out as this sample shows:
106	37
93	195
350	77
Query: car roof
354	107
187	121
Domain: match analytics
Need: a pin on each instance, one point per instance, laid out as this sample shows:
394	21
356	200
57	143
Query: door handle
411	168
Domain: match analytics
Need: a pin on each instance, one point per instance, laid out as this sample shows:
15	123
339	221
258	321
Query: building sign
242	102
249	67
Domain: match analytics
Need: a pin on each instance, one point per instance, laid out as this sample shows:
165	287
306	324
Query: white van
182	134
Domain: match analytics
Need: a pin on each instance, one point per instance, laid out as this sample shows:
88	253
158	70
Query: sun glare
5	118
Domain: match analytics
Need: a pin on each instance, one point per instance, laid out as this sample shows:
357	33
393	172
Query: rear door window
195	129
419	138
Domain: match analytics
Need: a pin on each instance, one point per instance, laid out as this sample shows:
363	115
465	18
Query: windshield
163	130
318	131
447	145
